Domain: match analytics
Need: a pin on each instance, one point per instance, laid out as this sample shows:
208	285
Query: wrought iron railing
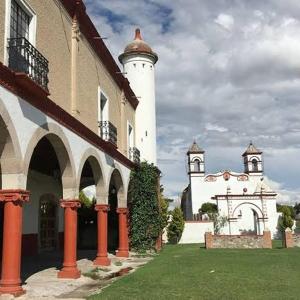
108	132
25	58
134	154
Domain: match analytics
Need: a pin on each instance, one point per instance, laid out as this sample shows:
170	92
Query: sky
228	72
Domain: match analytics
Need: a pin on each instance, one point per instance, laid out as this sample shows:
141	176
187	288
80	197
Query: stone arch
59	141
253	206
117	180
10	151
93	158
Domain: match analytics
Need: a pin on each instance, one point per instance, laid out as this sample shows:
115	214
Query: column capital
14	195
122	210
102	207
72	203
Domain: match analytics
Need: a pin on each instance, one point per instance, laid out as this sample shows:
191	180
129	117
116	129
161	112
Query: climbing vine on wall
144	209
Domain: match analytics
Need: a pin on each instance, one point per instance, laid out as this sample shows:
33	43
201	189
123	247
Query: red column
12	239
102	259
123	233
70	269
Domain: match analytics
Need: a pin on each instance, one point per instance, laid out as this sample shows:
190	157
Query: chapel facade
246	202
67	121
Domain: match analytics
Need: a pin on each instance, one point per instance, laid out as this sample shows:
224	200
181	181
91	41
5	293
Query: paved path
44	284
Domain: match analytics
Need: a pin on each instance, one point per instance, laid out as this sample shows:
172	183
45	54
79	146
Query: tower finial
138	35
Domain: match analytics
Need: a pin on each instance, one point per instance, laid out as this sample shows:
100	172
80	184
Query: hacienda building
68	120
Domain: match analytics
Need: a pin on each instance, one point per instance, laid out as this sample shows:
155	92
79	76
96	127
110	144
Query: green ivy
144	208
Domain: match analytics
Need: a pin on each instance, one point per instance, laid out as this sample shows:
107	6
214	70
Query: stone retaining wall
291	240
238	241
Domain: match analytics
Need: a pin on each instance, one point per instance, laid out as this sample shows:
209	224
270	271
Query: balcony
25	58
134	154
108	132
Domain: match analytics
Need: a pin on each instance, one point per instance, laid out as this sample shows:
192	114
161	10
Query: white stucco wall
41	185
194	232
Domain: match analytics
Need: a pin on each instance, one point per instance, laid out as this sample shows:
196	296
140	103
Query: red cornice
30	92
90	32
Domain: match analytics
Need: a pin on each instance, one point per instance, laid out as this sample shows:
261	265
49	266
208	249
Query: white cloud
226	21
223	87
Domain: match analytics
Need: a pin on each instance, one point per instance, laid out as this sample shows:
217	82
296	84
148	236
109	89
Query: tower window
143	65
134	65
254	165
146	133
196	165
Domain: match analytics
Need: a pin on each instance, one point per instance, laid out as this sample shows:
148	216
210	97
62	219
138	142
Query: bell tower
196	163
138	62
253	164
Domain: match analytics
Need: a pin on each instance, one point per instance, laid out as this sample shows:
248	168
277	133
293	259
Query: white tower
138	62
253	161
196	163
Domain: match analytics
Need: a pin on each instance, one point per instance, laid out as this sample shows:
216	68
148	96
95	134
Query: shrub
286	220
176	226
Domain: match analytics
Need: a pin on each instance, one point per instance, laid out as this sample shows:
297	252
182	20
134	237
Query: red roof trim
90	32
31	93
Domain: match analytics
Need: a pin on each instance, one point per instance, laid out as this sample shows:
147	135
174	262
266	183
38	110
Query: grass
190	272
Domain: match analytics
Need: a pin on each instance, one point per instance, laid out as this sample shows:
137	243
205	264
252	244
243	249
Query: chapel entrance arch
248	218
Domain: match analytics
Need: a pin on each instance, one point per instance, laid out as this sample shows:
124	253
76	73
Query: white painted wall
194	232
40	184
140	72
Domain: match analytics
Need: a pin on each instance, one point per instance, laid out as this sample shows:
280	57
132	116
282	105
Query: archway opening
248	219
116	191
87	216
43	220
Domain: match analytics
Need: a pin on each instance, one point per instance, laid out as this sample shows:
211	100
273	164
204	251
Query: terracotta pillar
70	269
102	259
12	239
123	233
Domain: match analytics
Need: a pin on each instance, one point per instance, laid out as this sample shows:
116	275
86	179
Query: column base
16	291
67	272
122	253
102	261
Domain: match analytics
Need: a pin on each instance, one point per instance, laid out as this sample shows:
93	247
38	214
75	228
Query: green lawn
190	272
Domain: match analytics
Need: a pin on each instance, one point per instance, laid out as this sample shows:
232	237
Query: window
130	136
19	21
254	165
196	165
102	109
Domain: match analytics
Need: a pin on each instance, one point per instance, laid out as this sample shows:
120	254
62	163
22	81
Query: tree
164	209
208	207
297	208
291	209
176	226
286	220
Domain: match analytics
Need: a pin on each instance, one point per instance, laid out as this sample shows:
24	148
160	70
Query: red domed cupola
138	46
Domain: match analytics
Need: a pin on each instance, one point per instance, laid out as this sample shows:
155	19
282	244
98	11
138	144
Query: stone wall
238	241
291	240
